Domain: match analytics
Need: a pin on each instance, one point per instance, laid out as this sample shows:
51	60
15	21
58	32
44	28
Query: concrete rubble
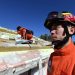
25	62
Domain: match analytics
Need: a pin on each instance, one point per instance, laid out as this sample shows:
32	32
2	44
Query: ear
71	30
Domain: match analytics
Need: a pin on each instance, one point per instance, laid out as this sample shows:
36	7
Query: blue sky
31	13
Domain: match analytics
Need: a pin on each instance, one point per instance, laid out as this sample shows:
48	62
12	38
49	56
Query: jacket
62	62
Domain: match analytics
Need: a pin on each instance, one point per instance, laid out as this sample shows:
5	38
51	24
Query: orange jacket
24	35
62	62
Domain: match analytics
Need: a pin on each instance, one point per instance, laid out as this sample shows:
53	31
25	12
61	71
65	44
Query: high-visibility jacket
62	61
24	34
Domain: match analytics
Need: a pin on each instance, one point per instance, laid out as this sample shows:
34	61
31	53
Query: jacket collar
70	48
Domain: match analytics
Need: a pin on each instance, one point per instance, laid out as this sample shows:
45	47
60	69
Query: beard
60	43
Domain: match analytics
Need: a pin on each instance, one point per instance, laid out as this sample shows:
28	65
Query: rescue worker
62	60
24	33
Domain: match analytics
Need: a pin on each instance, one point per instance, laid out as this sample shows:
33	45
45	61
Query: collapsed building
22	59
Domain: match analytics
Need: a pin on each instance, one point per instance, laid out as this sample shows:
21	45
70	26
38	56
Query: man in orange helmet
26	35
61	27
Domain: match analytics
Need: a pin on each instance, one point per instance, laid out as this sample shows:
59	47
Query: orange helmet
56	18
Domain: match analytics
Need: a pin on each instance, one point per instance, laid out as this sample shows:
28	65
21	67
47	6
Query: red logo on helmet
69	17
